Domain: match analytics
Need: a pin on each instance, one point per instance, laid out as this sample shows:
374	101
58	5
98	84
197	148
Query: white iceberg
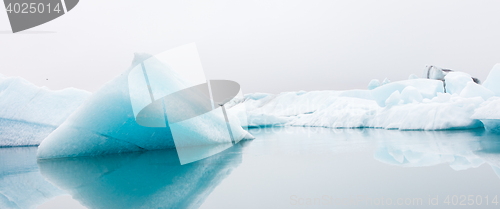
489	114
427	89
489	111
492	82
373	84
393	99
472	89
456	82
29	113
415	104
413	76
411	94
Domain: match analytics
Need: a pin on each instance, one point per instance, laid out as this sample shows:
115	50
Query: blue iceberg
108	121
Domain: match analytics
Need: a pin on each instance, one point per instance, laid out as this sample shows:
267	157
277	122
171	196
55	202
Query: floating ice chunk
437	73
258	96
291	103
21	100
386	81
488	109
19	133
428	116
411	94
456	81
256	100
393	99
29	113
442	97
340	110
374	83
489	114
492	82
413	76
475	90
362	94
427	88
491	125
263	120
106	123
416	104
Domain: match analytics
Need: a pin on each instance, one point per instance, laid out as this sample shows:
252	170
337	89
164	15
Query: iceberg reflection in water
278	163
21	185
461	149
153	179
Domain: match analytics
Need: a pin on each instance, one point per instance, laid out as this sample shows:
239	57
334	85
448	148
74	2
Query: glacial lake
283	167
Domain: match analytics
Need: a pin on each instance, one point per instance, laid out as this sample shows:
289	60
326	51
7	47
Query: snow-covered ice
414	104
413	76
19	133
411	94
29	113
472	89
489	114
373	84
492	82
456	81
23	101
427	89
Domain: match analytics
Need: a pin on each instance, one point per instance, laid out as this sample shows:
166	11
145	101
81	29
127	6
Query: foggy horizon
265	46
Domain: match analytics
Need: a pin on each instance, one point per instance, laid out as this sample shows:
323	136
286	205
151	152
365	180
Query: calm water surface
292	167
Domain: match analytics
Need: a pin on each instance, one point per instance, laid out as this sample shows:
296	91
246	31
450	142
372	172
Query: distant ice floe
29	113
455	101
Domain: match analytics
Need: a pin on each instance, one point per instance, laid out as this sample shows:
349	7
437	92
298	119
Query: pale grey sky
266	46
